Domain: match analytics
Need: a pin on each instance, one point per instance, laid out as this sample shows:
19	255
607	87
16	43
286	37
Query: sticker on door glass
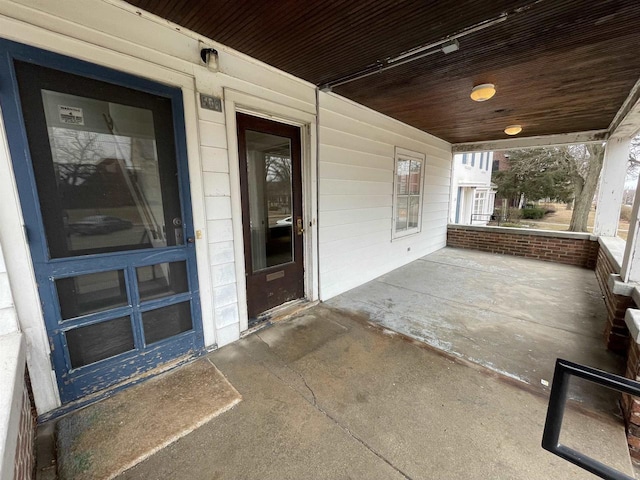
70	115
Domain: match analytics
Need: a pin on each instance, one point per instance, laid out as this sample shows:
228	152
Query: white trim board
594	136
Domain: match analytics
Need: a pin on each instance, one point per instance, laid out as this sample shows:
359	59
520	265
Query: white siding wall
357	148
473	175
468	177
356	168
217	191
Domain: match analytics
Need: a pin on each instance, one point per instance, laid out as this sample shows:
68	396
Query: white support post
630	270
611	187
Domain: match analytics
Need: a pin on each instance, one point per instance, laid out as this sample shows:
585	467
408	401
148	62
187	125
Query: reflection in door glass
106	168
91	293
270	213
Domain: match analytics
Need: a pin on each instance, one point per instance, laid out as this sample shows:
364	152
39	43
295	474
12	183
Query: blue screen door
101	170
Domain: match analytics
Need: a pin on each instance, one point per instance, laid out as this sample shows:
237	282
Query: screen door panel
105	196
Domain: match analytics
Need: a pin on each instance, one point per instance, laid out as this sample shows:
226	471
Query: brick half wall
25	458
580	249
616	333
17	419
631	405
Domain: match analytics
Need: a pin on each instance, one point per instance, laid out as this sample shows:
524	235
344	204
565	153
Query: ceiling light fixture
513	129
483	92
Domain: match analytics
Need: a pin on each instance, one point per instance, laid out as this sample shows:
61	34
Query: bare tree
584	163
633	168
76	155
569	173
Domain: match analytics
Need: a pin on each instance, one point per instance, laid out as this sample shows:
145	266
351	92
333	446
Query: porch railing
557	401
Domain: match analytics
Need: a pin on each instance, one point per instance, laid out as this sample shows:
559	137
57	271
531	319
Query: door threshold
112	390
278	314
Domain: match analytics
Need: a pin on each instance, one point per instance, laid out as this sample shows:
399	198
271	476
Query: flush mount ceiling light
513	129
483	92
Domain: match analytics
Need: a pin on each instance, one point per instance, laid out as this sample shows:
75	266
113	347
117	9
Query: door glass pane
91	293
99	341
161	280
107	176
270	199
166	322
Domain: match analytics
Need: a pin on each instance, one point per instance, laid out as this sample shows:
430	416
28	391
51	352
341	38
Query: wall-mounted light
513	129
209	57
483	92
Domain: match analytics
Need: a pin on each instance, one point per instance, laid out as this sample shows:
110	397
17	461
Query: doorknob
299	229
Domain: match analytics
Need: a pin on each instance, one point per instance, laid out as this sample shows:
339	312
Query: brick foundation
631	405
568	248
616	333
25	458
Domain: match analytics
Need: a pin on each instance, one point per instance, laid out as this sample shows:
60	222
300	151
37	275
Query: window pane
408	192
403	177
270	199
414	212
166	322
478	203
402	208
91	293
414	177
99	341
162	279
107	176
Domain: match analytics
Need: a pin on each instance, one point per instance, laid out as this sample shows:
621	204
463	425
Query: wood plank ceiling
559	66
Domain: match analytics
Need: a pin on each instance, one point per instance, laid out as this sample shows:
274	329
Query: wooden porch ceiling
559	66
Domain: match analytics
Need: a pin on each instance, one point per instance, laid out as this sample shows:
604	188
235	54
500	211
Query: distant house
473	194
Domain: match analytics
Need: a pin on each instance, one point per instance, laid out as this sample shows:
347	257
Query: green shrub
533	213
514	214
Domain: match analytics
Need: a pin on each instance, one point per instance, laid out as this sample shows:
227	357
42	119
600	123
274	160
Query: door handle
299	229
177	231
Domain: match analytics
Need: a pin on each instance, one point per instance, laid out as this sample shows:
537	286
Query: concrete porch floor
327	395
510	314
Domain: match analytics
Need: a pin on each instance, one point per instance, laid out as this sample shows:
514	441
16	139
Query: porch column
630	269
611	187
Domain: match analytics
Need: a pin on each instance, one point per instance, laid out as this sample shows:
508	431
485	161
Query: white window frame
480	199
402	154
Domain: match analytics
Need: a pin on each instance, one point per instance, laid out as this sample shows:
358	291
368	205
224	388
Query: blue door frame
80	382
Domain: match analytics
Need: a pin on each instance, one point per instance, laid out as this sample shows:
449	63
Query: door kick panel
275	275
